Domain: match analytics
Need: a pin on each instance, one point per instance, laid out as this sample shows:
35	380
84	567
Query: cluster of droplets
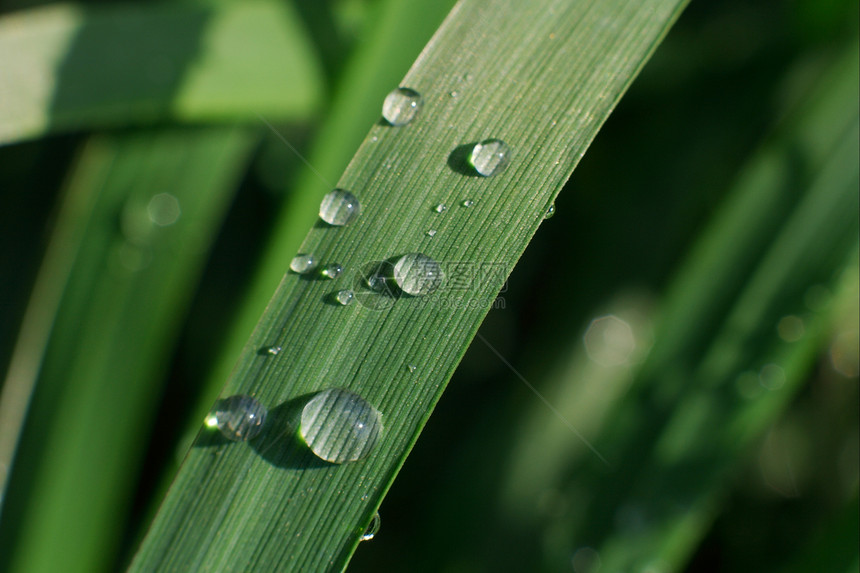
338	425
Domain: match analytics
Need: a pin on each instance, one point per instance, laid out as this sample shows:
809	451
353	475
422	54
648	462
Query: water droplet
303	263
372	528
273	350
340	426
239	418
454	93
332	271
412	367
377	283
490	157
401	106
467	203
549	212
431	232
163	209
339	208
344	297
440	208
417	274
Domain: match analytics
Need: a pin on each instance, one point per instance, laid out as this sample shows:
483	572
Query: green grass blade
542	76
144	209
67	66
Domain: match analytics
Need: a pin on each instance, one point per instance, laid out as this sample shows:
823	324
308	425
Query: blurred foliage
496	482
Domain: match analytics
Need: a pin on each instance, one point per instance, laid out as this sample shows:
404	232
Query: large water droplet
550	211
332	271
239	418
372	528
431	233
417	274
401	106
340	426
440	208
339	208
490	157
303	263
344	297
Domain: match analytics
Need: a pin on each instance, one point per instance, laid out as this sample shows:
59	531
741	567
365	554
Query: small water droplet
431	232
345	297
440	208
401	106
339	208
412	367
549	212
454	93
417	274
273	350
490	157
467	203
376	283
372	528
238	418
340	426
303	263
332	271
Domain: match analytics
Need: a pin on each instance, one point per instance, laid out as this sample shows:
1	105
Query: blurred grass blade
67	66
143	209
835	549
719	373
542	76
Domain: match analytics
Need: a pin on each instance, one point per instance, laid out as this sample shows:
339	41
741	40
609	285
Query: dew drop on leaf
417	274
340	426
490	157
339	208
401	106
238	418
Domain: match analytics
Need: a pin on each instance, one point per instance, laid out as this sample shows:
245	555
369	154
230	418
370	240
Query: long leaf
541	76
